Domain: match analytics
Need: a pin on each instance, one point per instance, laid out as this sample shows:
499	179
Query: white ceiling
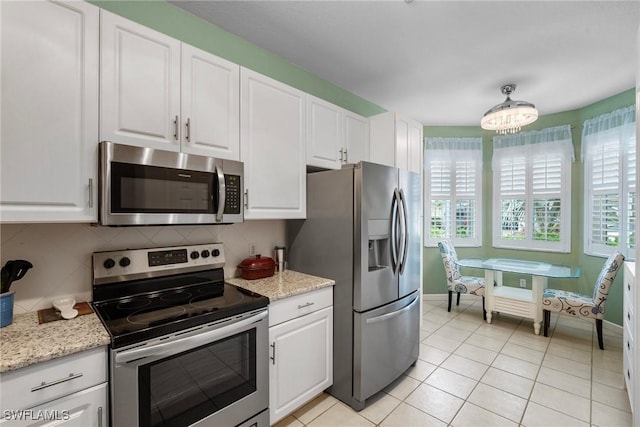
443	62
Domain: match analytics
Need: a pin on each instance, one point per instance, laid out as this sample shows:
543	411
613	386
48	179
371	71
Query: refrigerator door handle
396	313
395	256
405	232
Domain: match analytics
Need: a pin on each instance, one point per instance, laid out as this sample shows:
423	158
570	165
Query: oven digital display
173	256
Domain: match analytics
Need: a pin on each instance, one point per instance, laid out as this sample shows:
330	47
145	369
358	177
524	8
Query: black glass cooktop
146	315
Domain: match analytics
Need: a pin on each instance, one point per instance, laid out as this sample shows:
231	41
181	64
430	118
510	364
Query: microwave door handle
222	193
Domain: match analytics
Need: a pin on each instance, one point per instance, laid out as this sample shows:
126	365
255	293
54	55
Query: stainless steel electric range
186	348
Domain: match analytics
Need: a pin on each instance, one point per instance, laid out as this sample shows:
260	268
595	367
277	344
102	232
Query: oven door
213	375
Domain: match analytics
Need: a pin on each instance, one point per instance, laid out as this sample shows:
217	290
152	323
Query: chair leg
450	298
484	312
458	300
547	320
599	331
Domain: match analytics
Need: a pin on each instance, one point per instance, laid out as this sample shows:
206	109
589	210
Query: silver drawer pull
305	305
56	382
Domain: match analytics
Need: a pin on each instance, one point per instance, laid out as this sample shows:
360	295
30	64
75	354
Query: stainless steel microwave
144	186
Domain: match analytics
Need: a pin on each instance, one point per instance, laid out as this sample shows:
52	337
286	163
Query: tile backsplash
61	253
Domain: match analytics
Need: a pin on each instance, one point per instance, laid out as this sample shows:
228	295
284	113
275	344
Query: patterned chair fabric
580	305
456	282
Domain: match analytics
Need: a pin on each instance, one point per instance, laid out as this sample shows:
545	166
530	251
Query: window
532	188
609	156
453	191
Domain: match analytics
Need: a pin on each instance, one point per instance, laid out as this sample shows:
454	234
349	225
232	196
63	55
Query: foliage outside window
532	188
453	191
609	156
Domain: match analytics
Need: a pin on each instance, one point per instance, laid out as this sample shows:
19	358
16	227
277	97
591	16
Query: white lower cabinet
69	391
301	350
629	354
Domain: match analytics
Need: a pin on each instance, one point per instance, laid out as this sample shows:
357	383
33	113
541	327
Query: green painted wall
177	23
434	282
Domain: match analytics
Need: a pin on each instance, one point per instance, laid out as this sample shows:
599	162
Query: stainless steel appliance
363	231
143	186
186	348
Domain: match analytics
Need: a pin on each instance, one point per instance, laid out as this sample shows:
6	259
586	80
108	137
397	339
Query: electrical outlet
252	248
523	283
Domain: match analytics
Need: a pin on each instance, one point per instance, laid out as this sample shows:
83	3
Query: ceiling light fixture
510	116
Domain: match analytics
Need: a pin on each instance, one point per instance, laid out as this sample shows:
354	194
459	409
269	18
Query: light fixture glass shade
510	116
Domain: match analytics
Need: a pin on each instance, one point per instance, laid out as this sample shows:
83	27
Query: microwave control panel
232	194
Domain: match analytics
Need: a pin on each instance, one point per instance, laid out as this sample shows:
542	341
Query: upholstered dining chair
456	282
580	305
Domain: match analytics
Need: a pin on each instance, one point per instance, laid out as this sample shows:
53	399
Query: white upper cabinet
210	104
157	92
325	146
356	138
335	136
272	134
139	85
396	141
49	111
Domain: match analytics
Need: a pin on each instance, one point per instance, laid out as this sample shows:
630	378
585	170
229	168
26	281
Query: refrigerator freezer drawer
386	343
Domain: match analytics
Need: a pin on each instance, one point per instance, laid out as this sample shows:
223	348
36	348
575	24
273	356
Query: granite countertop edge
282	284
25	342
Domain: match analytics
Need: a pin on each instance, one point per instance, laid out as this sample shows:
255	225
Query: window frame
539	145
468	156
625	186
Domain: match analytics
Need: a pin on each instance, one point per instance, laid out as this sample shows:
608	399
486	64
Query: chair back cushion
450	261
606	278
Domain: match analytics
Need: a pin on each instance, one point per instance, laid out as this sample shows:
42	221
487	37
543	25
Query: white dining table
515	300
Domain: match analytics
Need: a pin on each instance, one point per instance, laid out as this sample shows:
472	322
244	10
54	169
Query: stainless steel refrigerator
363	231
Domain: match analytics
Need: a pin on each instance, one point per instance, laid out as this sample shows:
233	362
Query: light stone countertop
25	342
282	285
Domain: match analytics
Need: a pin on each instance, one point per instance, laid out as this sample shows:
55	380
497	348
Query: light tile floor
471	373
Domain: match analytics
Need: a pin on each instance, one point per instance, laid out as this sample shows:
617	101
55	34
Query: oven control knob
195	255
124	262
215	252
204	254
109	263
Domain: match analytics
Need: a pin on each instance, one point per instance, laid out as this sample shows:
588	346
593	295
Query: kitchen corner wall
61	253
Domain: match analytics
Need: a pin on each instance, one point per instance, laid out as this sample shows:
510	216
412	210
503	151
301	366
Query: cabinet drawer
292	307
50	380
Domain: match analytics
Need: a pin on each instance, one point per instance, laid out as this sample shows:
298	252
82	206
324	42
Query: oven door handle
184	344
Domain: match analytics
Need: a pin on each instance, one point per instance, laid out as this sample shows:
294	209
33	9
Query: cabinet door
210	105
301	364
356	137
49	111
415	147
139	85
402	143
382	139
272	146
324	134
86	408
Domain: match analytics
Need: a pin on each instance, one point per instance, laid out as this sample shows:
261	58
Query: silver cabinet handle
273	357
341	155
100	416
346	157
188	130
309	304
71	376
175	128
90	192
246	198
